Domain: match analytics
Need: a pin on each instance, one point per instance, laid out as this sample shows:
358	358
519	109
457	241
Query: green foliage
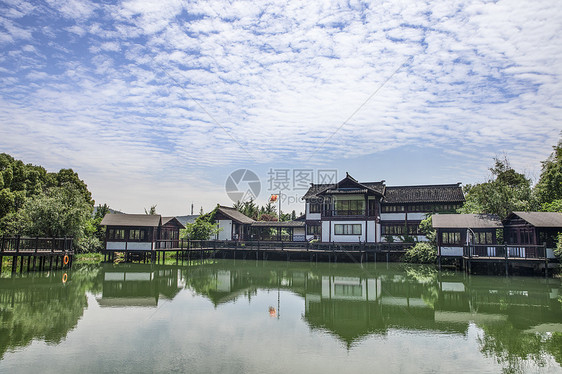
553	206
60	212
506	191
422	253
267	212
426	227
203	228
558	249
549	186
151	211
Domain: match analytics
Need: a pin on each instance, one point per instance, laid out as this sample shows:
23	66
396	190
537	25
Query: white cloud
280	79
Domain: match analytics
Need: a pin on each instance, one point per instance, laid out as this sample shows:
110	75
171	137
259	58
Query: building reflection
353	307
138	285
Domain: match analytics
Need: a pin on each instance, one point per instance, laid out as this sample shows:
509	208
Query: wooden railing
513	251
284	245
20	244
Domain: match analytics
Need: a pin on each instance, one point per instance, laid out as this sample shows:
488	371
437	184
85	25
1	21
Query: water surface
277	317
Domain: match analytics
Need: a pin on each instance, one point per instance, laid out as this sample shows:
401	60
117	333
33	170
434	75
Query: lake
277	317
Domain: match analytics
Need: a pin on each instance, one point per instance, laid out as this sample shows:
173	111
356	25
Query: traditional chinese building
140	232
371	212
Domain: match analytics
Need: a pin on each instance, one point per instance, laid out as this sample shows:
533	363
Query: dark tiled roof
142	220
315	189
540	219
234	214
464	221
439	193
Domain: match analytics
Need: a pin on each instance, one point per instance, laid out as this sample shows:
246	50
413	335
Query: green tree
151	211
426	228
60	212
506	191
202	229
422	253
549	186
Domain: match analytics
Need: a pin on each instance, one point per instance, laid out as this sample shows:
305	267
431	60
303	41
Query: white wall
311	216
347	238
115	246
325	231
136	246
393	216
371	232
225	227
451	251
416	216
131	246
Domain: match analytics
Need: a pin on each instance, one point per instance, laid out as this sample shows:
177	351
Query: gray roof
540	219
437	193
142	220
165	220
463	221
278	224
184	220
234	214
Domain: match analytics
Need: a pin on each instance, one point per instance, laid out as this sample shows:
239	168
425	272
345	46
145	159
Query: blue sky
158	102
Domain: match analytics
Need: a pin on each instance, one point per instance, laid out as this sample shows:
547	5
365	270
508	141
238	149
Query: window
392	208
350	207
348	229
483	237
372	207
314	230
315	207
392	229
136	234
116	234
451	238
348	290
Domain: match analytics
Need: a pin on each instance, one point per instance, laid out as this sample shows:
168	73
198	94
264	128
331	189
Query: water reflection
43	305
518	320
136	285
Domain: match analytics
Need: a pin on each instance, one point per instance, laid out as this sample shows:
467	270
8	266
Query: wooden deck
517	255
39	253
267	250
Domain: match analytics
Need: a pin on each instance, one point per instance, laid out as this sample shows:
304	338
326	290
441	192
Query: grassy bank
88	258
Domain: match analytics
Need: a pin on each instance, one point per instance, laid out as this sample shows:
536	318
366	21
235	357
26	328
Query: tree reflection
42	306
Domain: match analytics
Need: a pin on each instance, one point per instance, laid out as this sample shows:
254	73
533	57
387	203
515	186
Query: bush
558	249
422	253
88	245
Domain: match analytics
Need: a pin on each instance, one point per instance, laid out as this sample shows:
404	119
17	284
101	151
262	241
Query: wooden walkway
270	250
507	255
35	254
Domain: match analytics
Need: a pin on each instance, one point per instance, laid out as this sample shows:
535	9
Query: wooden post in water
545	261
506	261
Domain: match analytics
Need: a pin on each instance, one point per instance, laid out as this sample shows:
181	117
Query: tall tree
506	191
549	187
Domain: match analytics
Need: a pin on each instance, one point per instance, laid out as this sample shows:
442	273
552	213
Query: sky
158	102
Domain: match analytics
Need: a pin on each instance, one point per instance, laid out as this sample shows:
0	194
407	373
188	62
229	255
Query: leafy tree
422	252
426	228
549	186
60	212
553	206
204	228
68	176
506	191
151	211
558	249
